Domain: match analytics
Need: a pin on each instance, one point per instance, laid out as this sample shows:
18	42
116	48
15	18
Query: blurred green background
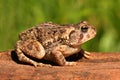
18	15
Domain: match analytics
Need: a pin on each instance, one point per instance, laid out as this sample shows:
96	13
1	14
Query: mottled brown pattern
42	40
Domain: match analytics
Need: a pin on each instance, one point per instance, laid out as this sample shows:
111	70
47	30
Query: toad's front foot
86	54
42	65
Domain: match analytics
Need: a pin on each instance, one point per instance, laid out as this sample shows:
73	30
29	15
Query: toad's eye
84	28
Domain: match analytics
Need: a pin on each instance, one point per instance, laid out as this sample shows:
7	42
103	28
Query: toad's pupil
84	28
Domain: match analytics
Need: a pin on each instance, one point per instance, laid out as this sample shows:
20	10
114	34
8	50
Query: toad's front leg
59	54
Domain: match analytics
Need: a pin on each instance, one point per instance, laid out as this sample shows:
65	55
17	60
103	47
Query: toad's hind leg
31	48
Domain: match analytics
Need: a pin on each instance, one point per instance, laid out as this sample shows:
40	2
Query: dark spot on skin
81	36
29	46
62	30
49	43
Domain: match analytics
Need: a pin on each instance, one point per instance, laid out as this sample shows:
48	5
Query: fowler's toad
53	42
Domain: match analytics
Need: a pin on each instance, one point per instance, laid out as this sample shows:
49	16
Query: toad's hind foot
71	63
42	65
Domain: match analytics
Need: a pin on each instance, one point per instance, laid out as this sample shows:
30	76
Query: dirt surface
101	66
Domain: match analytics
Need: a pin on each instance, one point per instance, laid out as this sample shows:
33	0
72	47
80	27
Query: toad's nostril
93	28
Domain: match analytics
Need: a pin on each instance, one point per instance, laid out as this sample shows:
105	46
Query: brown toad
53	42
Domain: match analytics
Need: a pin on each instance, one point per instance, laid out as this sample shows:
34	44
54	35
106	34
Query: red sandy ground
102	66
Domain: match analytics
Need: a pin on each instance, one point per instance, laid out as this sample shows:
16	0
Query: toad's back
46	33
